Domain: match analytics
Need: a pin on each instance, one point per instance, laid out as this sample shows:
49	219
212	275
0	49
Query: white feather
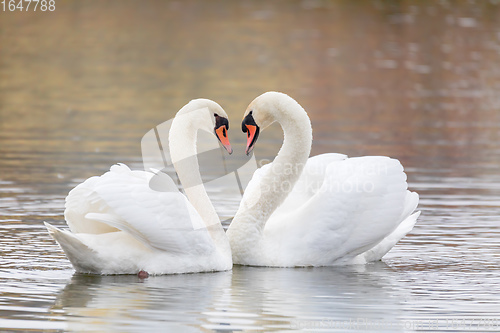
318	211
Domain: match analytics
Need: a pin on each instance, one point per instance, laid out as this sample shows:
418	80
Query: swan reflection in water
246	298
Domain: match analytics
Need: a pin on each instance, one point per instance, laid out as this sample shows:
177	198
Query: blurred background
414	80
417	80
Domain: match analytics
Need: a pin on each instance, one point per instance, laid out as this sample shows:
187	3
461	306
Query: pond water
414	80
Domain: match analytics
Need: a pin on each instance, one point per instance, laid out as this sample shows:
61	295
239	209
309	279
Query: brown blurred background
416	80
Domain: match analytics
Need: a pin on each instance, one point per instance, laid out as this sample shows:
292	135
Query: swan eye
221	121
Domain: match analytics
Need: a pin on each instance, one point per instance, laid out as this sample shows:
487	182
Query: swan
320	211
120	225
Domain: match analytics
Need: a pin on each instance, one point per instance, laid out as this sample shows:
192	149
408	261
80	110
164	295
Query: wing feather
360	202
122	199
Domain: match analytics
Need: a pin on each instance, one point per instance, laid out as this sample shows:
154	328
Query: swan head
218	123
261	113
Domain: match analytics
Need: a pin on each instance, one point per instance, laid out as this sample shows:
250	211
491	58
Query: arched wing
359	203
122	199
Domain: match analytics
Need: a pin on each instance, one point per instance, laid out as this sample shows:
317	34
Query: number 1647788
26	5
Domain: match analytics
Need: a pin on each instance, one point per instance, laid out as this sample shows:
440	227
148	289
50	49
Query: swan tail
408	222
411	203
80	255
381	249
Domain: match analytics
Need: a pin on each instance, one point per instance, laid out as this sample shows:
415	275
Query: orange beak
221	135
251	130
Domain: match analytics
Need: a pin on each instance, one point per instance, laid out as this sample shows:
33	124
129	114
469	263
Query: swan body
120	225
320	211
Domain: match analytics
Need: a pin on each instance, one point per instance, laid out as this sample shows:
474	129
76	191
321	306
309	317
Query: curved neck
279	179
182	145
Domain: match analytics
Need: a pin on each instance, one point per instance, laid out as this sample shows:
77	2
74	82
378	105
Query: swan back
122	200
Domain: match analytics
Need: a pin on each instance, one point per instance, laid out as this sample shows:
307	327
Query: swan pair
296	211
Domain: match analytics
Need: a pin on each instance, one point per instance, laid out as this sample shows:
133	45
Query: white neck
182	144
278	180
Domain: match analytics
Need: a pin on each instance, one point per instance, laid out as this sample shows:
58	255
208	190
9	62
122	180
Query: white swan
318	211
119	225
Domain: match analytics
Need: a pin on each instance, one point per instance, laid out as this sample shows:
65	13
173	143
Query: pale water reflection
248	298
415	80
244	299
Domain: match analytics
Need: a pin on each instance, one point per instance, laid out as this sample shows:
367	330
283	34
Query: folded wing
122	199
341	208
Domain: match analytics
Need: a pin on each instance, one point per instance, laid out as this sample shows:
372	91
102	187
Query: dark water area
415	80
